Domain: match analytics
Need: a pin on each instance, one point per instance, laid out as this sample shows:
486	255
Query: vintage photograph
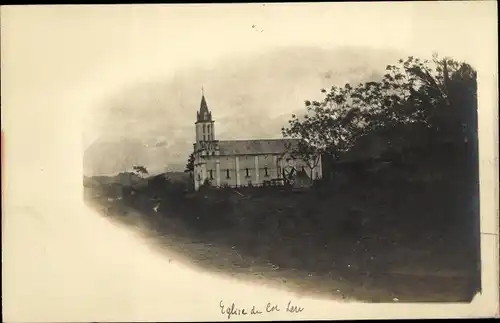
341	171
258	161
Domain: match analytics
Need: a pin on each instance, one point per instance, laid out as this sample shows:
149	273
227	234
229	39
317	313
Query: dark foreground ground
404	238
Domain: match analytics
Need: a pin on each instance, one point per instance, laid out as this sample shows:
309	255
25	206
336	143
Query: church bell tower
206	148
204	123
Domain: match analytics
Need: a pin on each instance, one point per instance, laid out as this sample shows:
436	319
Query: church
237	163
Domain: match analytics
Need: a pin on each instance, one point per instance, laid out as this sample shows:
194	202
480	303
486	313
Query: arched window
204	128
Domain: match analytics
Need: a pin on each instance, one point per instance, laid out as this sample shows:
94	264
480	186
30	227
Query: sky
61	63
92	52
72	59
152	123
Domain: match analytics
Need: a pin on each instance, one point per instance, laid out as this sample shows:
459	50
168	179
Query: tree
190	165
308	153
438	95
416	102
329	127
140	170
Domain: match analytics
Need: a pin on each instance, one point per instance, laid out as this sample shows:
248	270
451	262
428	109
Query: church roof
254	147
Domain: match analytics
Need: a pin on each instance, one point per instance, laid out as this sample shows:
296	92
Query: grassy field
393	235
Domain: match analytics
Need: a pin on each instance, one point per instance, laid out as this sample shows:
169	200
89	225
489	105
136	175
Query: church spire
204	114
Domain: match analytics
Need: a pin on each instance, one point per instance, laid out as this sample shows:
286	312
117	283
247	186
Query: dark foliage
416	108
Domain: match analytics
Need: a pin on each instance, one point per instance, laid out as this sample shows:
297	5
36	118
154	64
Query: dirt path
214	253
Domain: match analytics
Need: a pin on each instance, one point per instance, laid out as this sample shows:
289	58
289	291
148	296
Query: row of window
247	173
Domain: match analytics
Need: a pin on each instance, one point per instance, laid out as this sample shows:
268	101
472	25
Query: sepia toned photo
371	193
344	169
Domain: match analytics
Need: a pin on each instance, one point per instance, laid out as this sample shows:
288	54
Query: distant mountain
126	179
131	179
152	124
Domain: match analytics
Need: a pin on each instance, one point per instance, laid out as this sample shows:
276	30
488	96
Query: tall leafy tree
416	102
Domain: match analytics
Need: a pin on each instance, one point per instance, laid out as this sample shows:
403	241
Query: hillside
128	178
178	177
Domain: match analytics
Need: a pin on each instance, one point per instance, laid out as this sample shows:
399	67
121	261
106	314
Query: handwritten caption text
231	310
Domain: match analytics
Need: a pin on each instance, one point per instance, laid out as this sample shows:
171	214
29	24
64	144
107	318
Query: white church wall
266	168
211	169
266	161
199	135
247	170
227	163
256	165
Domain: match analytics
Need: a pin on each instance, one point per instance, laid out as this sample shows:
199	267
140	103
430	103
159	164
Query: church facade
237	163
